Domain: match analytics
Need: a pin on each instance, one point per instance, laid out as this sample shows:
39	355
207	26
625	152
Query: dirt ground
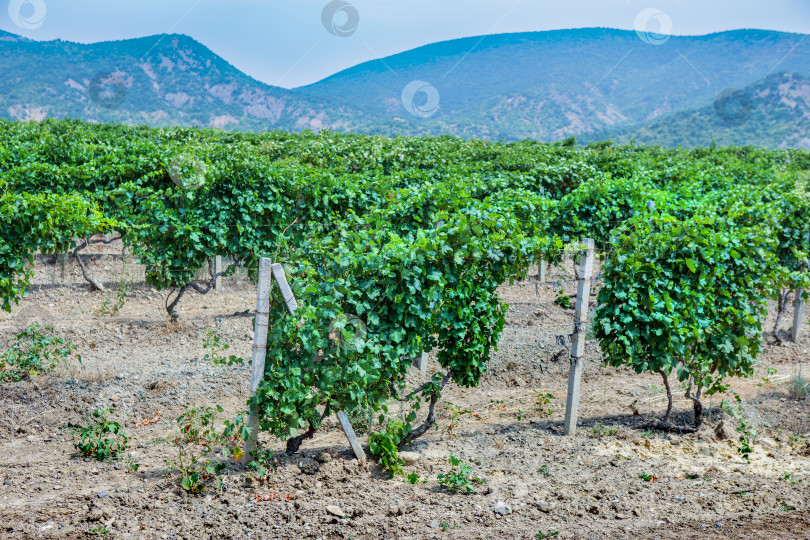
585	486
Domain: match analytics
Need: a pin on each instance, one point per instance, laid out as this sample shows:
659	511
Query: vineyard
464	253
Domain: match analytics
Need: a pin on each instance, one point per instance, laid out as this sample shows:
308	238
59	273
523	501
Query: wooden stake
349	431
259	352
541	274
798	316
217	270
580	328
286	291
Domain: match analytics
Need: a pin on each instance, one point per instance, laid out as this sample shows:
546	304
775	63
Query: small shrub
459	478
541	535
196	442
102	439
36	350
384	446
798	386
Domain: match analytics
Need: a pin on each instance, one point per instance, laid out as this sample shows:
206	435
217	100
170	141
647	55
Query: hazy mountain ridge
158	80
777	116
589	83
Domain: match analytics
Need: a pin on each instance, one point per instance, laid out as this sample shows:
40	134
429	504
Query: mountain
160	80
774	112
590	83
550	85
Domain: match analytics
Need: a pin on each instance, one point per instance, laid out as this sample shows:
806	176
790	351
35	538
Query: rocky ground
536	480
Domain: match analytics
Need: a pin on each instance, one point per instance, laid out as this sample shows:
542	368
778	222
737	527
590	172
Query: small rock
622	516
409	458
434	524
501	508
335	511
594	510
546	507
102	494
324	457
309	466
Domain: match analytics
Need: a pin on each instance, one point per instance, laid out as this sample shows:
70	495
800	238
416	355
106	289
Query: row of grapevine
376	230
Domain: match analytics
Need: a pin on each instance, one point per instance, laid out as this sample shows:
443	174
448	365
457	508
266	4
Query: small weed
132	466
99	530
562	299
102	439
196	441
412	478
459	478
36	350
520	415
770	373
456	416
541	535
544	469
789	478
110	305
600	430
747	433
648	477
214	343
542	401
447	526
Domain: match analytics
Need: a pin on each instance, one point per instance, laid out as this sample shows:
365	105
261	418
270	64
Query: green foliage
562	299
686	295
101	439
396	246
541	535
385	444
35	350
214	343
459	477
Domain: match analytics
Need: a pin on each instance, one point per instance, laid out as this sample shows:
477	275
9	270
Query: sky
292	43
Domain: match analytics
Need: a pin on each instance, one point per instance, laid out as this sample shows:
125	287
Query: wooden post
798	316
422	361
580	328
217	270
259	352
541	274
292	305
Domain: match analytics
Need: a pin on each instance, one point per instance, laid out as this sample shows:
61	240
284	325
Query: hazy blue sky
286	43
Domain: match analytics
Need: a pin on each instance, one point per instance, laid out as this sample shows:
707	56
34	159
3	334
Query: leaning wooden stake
580	328
292	305
798	316
259	352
